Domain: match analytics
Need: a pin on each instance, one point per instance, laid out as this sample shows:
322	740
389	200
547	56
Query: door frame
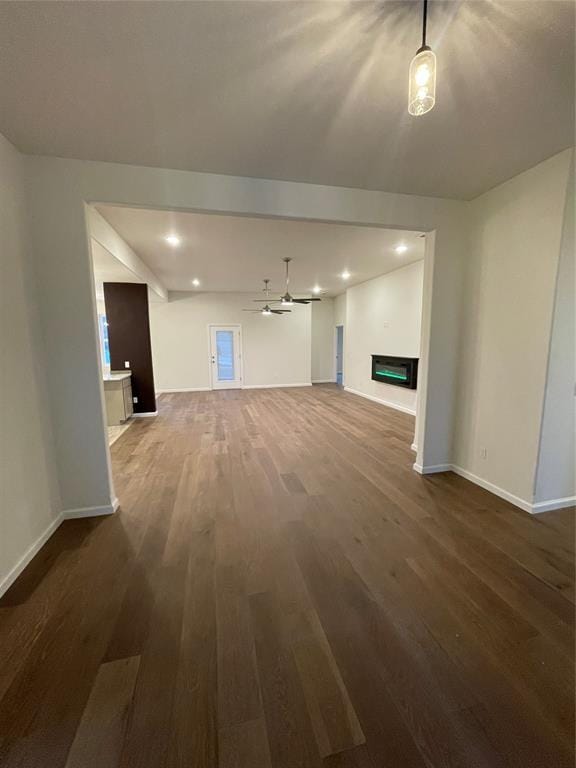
336	327
238	327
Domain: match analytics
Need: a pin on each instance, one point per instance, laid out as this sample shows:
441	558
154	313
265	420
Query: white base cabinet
118	396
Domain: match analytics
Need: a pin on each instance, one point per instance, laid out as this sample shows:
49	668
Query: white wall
340	309
323	341
556	474
513	260
276	349
29	494
383	316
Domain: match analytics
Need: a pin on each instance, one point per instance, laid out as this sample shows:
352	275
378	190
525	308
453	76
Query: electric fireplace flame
398	371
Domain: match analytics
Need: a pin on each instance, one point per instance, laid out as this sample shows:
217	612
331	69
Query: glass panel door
225	357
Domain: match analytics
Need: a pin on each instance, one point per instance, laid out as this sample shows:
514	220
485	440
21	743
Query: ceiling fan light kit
287	300
422	76
267	309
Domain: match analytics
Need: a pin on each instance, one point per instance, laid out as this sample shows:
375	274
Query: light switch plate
126	363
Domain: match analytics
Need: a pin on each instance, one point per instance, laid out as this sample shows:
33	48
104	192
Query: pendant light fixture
422	79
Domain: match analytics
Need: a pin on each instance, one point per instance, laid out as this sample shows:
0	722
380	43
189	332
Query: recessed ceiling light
196	282
401	248
173	240
316	289
345	275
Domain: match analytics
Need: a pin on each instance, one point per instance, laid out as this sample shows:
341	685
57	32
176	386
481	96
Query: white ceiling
306	91
235	253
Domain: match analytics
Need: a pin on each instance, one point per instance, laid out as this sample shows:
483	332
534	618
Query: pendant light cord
424	18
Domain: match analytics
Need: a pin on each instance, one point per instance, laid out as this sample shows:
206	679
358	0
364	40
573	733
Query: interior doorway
340	355
225	357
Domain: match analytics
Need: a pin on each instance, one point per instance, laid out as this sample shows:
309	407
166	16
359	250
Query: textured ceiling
235	253
306	91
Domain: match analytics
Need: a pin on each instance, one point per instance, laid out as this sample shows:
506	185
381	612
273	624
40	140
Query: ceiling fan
267	310
287	300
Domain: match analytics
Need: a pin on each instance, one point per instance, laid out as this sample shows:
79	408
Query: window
104	344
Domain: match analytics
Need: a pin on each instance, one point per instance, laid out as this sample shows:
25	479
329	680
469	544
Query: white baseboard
414	447
387	403
276	386
431	469
552	504
32	550
185	389
106	509
523	504
30	553
495	489
144	415
323	381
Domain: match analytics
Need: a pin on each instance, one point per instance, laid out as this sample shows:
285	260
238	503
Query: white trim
526	506
106	509
32	550
276	386
414	448
144	415
495	489
431	469
323	381
184	389
387	403
549	506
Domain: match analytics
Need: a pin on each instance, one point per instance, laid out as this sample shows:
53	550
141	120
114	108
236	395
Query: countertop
117	376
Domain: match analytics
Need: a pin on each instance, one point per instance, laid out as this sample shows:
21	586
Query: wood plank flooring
280	590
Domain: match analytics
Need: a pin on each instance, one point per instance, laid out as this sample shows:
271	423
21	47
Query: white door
225	357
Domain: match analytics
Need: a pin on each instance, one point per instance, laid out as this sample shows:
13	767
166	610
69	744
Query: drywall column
323	342
30	504
555	476
129	339
515	242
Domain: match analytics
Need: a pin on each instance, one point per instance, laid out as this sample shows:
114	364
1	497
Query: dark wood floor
281	589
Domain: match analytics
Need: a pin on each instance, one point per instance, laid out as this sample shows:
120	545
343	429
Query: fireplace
398	371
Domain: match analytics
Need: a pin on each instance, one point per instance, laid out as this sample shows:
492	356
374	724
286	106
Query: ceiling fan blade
280	311
306	300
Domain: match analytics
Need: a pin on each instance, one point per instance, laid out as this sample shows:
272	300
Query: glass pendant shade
422	86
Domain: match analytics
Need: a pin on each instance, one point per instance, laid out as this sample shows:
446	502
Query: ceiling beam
106	235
